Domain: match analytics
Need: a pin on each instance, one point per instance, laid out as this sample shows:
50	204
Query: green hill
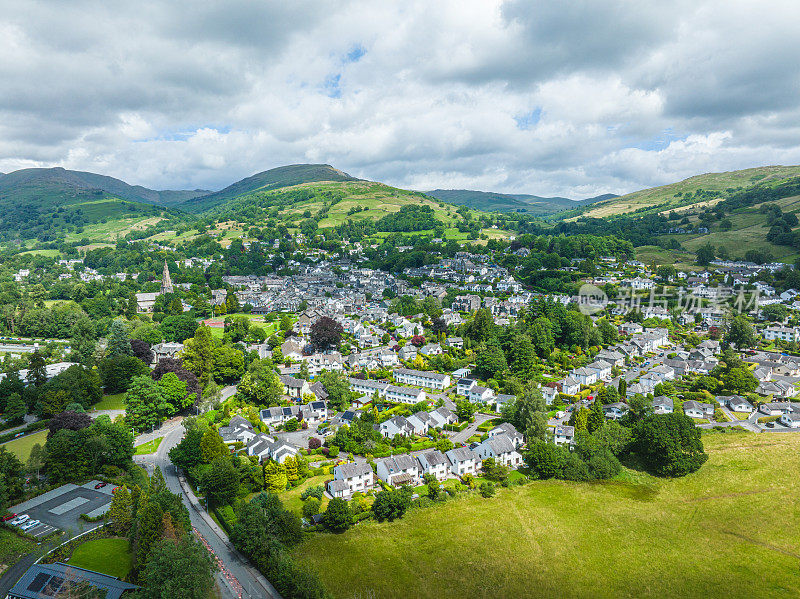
700	190
489	201
276	178
58	185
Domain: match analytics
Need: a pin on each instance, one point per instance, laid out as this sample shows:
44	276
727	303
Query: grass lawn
111	402
149	447
730	528
22	447
291	499
741	415
109	556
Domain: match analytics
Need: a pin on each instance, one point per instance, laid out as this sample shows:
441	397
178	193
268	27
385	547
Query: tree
705	254
311	507
120	513
187	454
487	489
37	372
544	460
579	419
541	333
337	387
117	372
481	328
174	395
326	333
523	357
391	504
37	459
145	404
166	365
490	362
221	482
228	364
669	444
119	341
260	384
740	380
740	333
198	354
179	328
464	410
73	421
82	385
337	517
275	478
15	409
596	418
526	413
141	350
178	569
212	446
149	526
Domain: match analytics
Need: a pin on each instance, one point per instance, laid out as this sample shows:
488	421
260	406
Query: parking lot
60	509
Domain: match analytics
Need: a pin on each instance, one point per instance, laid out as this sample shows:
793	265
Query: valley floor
730	530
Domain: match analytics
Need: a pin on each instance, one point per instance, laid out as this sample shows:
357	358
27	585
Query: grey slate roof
43	581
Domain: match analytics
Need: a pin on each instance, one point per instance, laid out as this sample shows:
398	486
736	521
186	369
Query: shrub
311	507
333	451
314	443
487	489
316	491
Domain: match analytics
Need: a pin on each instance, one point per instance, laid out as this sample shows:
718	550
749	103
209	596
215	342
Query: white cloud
530	97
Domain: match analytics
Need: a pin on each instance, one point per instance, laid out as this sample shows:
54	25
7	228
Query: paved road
253	584
461	437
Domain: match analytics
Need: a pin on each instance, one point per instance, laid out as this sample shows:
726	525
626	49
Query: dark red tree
175	365
141	349
326	333
72	421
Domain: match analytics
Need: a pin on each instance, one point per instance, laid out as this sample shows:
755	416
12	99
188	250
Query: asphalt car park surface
60	509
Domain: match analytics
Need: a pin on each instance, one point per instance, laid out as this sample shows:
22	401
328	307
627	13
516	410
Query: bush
333	451
314	443
316	491
311	507
603	466
337	517
487	489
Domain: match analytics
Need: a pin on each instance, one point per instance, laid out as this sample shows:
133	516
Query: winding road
239	579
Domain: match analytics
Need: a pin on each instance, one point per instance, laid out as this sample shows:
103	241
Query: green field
22	447
709	182
111	402
730	529
291	498
149	447
109	556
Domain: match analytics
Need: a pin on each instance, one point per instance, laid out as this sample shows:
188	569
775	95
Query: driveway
461	437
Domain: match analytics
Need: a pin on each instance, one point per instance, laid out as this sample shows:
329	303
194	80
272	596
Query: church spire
166	280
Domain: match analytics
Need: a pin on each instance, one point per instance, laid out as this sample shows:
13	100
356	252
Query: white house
397	425
564	435
434	462
662	405
696	409
422	378
442	416
584	376
464	385
615	411
463	461
501	448
406	395
399	470
351	478
479	394
506	428
791	420
781	333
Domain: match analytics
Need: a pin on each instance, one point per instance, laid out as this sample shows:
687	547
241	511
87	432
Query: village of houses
645	357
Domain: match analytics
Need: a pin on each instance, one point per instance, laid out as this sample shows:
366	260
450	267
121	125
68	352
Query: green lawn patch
635	536
109	556
111	402
291	499
22	447
149	447
741	415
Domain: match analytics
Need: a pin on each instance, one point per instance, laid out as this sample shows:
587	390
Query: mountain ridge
505	202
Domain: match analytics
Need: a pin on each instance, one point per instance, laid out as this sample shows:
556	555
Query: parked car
19	520
9	517
100	485
29	524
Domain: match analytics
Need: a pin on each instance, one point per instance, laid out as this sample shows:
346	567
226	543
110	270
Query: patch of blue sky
184	134
529	119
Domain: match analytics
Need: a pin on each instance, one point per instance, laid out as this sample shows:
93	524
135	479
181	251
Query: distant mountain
283	176
58	185
504	202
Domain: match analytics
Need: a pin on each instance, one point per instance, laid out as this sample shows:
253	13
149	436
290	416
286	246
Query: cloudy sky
571	98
